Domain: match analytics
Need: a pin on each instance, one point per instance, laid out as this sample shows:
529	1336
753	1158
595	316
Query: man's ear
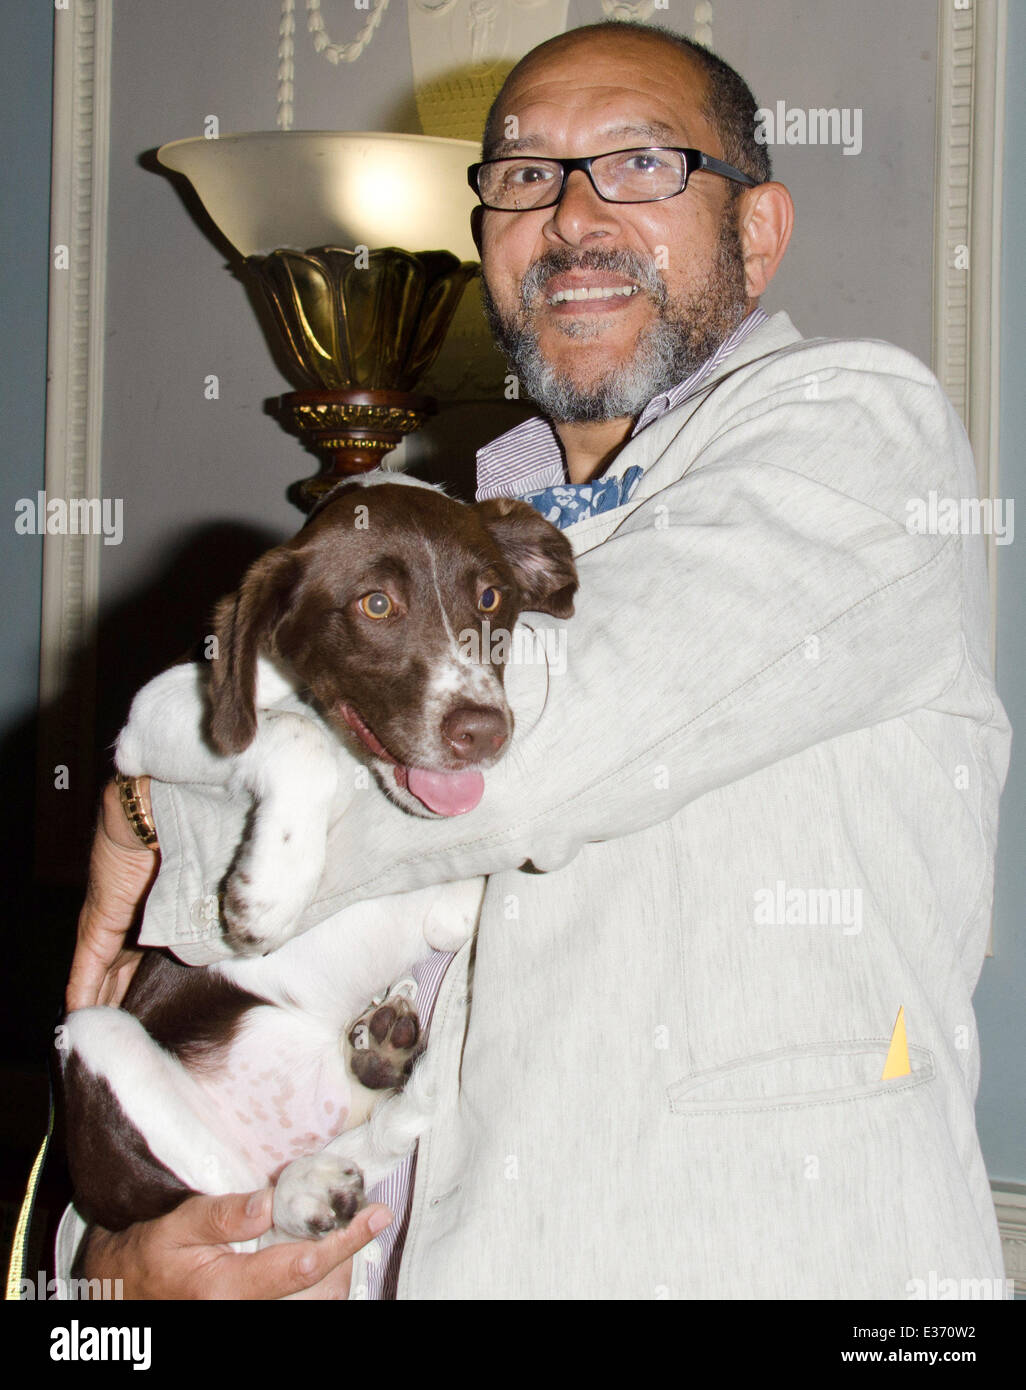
476	216
244	625
765	223
540	556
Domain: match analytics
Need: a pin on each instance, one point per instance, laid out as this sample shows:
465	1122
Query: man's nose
581	214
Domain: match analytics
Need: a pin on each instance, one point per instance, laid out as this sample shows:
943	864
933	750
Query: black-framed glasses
521	183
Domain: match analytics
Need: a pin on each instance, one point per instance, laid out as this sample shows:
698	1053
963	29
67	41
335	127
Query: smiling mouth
444	793
589	292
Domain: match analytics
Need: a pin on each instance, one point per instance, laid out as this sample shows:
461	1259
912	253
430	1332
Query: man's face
679	260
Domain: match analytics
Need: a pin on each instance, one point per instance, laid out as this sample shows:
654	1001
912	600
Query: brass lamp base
361	327
352	429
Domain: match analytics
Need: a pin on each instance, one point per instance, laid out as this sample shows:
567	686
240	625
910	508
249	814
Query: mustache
641	269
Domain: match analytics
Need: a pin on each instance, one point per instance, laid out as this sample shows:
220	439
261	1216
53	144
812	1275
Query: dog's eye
489	600
376	605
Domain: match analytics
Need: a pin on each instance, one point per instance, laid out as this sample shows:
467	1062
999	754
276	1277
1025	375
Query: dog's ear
244	624
540	556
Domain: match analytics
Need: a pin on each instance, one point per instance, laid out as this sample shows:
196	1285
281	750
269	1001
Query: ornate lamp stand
359	326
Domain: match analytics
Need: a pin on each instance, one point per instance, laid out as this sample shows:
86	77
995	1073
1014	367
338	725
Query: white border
74	414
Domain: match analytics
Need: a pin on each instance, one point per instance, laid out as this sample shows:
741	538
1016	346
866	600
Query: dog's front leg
291	772
164	738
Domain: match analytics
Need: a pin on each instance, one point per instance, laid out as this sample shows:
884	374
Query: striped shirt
524	459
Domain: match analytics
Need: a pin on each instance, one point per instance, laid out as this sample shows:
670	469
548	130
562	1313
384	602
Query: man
752	820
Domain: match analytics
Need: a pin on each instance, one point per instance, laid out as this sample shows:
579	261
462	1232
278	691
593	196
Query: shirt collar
528	457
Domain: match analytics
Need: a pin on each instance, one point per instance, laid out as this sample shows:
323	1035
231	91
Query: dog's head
387	608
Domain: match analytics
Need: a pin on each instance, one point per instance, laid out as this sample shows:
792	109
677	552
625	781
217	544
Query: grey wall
34	966
1001	996
26	38
859	263
26	47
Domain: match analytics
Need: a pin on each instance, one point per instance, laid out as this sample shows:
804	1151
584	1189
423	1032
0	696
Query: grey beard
683	336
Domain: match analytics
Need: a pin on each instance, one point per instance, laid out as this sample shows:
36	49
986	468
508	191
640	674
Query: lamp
319	218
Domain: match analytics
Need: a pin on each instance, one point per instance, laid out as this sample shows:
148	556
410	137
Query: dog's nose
474	732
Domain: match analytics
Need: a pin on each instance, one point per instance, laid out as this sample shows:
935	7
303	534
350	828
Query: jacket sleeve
777	591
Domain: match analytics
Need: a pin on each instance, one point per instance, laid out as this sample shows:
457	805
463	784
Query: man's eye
523	175
646	163
489	600
376	605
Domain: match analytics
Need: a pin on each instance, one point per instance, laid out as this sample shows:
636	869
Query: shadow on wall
160	622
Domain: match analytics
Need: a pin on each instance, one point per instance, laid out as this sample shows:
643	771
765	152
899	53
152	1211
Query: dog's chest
282	1089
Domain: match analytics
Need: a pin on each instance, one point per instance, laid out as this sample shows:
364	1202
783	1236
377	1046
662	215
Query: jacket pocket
794	1077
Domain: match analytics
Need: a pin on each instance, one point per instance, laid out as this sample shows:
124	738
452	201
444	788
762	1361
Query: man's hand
186	1255
121	872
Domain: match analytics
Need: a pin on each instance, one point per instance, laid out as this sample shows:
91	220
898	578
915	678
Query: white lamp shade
306	188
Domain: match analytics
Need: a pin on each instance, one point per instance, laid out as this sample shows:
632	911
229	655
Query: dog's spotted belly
282	1091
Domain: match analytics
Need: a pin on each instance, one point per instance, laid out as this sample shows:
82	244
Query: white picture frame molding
969	162
969	145
74	421
1010	1203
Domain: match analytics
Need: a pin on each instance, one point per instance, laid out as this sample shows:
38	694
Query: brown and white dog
264	1067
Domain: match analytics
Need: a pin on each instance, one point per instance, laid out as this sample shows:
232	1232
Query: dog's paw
256	921
452	918
316	1195
386	1040
265	896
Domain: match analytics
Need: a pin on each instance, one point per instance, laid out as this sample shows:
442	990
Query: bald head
724	99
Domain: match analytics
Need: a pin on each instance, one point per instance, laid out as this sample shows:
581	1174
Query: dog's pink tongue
446	793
